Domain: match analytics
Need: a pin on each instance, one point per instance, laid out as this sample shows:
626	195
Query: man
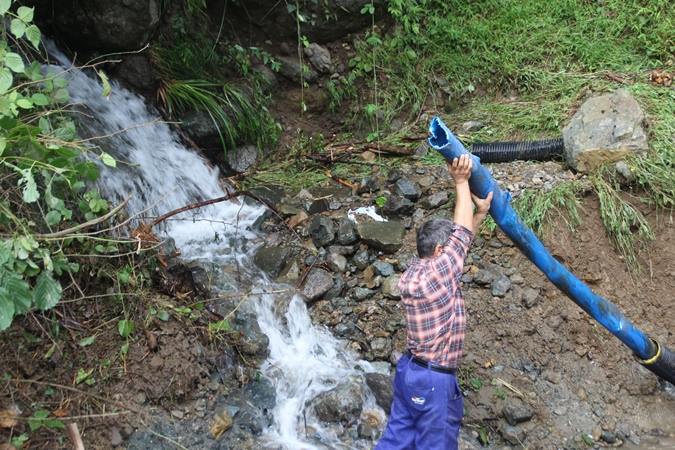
428	407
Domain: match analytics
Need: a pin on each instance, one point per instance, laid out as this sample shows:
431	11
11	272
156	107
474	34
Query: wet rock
317	283
512	435
500	286
337	288
367	185
472	125
434	200
384	236
251	419
346	232
271	194
408	189
515	412
609	437
137	72
606	128
319	56
252	340
383	268
291	69
360	293
397	206
272	260
242	158
291	272
390	287
104	25
336	262
341	404
322	231
382	389
361	259
380	348
262	394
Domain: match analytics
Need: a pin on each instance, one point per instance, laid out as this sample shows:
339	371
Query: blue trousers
426	412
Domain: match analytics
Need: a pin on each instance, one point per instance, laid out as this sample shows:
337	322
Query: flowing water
160	175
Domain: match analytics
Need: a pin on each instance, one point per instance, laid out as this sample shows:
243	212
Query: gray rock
322	231
397	206
381	387
515	412
361	259
390	287
344	250
486	275
346	232
137	72
115	437
367	185
434	200
512	435
252	340
272	260
380	347
500	286
242	159
317	283
361	293
472	125
408	189
337	288
383	268
319	57
606	128
626	173
530	297
342	404
291	69
105	25
384	236
336	262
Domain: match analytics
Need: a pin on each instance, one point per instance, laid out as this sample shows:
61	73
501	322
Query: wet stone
346	232
383	268
408	189
384	236
342	404
317	283
516	412
434	200
500	286
272	260
322	231
398	206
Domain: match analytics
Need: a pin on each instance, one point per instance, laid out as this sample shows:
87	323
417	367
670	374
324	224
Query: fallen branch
84	225
203	203
74	435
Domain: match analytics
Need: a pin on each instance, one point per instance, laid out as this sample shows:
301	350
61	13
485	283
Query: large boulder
101	25
606	128
324	21
384	236
381	387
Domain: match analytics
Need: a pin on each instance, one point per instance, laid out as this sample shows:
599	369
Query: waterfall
160	175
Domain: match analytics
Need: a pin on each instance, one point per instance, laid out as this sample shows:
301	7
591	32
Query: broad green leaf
4	6
83	375
6	309
25	13
34	71
6	80
20	292
87	341
105	82
24	103
33	35
53	217
14	62
29	187
17	27
163	315
47	291
45	125
108	161
3	144
125	328
37	420
61	95
40	99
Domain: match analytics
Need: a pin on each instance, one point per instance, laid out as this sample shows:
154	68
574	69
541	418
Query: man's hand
482	204
460	168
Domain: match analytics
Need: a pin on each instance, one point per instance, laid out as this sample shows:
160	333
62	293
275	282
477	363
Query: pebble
177	413
115	437
500	286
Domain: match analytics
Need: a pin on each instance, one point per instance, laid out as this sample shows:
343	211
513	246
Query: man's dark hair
432	233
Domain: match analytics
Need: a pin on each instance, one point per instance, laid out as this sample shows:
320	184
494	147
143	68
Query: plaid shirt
434	305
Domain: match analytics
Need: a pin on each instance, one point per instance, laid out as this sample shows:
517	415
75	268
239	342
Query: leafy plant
41	419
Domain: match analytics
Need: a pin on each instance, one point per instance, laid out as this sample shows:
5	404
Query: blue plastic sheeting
481	183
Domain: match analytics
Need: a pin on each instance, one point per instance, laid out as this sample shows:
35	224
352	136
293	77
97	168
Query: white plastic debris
365	211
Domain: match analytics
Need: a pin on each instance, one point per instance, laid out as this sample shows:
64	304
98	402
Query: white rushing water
160	175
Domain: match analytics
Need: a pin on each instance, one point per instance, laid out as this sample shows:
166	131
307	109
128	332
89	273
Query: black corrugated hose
497	152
